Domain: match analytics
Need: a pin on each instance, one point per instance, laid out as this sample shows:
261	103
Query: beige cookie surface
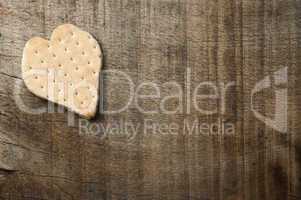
64	70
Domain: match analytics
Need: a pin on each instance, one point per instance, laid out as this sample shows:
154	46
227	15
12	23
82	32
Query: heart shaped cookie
64	70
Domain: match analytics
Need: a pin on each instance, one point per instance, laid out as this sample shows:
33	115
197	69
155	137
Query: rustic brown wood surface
42	157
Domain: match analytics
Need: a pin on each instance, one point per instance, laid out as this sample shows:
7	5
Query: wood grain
221	41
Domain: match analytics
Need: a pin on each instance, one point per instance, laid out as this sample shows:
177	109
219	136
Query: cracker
64	70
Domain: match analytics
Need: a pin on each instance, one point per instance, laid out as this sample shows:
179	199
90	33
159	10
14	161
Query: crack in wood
11	76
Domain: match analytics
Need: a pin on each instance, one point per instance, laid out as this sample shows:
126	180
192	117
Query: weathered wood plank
239	41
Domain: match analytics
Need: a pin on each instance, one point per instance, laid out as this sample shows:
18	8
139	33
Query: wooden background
156	40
